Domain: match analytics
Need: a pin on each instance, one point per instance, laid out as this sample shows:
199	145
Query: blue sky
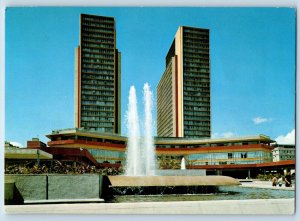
252	65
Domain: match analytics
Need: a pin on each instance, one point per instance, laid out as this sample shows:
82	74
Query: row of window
99	25
98	50
98	60
201	39
106	154
198	79
98	71
95	113
98	103
195	93
98	83
233	155
109	37
90	95
97	108
95	95
193	35
192	96
196	134
195	127
99	19
99	92
194	115
198	49
215	155
203	123
197	117
195	31
102	119
195	84
195	88
106	79
197	114
94	45
96	124
203	69
98	40
193	53
105	33
100	56
105	103
196	108
98	66
200	59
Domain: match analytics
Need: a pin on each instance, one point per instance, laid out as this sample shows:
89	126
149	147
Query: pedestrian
280	181
274	181
288	179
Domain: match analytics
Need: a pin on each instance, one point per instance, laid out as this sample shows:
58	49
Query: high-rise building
97	75
183	93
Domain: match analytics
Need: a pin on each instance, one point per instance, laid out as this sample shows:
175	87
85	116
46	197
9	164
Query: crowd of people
287	180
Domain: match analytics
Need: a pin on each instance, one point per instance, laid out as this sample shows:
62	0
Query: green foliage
265	177
58	167
169	163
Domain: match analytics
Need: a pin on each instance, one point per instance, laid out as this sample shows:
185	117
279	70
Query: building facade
109	148
97	76
283	152
183	93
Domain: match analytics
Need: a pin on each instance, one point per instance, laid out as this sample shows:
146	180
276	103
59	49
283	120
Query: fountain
182	165
141	176
140	160
148	140
133	161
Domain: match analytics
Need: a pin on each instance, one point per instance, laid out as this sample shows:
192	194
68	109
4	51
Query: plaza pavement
253	206
265	184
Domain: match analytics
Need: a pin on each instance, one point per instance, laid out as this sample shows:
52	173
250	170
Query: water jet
141	175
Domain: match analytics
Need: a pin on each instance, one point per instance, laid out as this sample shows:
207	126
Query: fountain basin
162	185
144	181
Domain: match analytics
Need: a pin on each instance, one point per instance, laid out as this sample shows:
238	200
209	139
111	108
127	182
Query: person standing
280	181
274	181
288	179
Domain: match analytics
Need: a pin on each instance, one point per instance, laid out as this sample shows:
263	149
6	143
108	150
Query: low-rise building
238	157
110	148
283	152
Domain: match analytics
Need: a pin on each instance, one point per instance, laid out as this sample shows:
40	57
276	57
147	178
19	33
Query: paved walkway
255	206
265	184
262	206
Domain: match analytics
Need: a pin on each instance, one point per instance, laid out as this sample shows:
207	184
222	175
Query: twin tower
183	93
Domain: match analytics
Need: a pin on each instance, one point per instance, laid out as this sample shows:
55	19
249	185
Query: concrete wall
74	186
31	187
43	187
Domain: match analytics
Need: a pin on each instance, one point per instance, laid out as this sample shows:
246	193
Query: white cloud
17	144
227	134
286	139
259	120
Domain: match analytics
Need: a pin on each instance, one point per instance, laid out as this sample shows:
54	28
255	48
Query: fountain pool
223	193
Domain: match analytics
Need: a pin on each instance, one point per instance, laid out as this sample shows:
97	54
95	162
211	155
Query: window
229	155
243	155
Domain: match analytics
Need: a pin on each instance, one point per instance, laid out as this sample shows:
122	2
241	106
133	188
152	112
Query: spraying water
140	159
133	162
149	150
182	166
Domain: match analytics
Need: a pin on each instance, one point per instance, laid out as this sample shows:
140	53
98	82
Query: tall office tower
183	93
97	75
